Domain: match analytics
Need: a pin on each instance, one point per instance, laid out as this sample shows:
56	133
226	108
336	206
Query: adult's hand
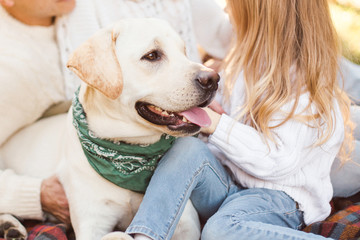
53	199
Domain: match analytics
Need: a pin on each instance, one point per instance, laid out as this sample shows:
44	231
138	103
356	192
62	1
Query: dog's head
138	82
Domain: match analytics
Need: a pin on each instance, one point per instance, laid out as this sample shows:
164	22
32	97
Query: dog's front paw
11	228
117	236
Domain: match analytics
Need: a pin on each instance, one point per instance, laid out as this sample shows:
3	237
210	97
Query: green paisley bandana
128	166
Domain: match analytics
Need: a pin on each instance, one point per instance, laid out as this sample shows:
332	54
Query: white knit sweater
200	22
31	81
295	165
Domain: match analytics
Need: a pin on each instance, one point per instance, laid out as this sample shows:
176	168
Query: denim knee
191	144
216	227
188	150
254	210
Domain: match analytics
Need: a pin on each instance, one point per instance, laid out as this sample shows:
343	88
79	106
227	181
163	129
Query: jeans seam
285	213
243	224
290	212
233	216
143	230
197	172
216	173
266	212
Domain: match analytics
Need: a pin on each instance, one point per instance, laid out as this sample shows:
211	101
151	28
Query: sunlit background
346	17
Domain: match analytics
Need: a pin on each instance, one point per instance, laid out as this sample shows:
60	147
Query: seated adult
31	81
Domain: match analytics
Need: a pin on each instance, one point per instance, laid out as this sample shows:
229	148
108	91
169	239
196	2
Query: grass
347	23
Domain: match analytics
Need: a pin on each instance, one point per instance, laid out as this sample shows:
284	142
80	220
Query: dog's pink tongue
197	116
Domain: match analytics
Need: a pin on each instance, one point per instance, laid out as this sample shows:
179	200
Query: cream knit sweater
31	81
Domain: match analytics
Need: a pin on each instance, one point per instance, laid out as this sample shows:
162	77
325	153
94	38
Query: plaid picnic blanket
343	225
45	231
48	231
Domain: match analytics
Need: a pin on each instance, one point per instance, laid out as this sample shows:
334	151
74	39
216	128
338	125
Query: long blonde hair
276	39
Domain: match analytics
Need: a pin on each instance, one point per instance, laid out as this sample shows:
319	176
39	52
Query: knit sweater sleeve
20	195
295	147
212	27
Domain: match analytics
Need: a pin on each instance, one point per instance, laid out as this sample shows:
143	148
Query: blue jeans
189	170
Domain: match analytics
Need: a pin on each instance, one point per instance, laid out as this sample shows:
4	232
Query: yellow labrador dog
138	92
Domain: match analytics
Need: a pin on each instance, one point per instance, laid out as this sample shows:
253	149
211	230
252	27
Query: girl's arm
246	148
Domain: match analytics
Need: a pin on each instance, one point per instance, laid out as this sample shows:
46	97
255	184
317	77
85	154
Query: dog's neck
105	121
115	129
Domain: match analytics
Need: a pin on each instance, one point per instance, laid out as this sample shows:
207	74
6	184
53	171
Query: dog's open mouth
188	121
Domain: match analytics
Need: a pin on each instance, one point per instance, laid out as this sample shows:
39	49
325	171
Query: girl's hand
215	118
215	106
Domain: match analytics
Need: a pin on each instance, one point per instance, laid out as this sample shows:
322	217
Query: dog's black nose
208	79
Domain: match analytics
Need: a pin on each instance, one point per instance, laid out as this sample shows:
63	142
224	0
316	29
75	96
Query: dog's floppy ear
96	64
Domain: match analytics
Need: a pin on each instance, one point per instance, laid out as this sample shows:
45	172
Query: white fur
8	222
96	205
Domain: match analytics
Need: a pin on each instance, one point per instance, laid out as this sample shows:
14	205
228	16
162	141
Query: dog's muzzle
207	80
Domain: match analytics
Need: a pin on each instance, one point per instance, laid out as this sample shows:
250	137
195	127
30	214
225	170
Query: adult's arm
20	195
246	148
29	197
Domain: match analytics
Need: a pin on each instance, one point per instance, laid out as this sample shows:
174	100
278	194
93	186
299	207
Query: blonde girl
285	121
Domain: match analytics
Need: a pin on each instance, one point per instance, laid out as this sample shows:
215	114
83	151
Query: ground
346	17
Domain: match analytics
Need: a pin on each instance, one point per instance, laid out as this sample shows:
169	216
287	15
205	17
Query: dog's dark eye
152	56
